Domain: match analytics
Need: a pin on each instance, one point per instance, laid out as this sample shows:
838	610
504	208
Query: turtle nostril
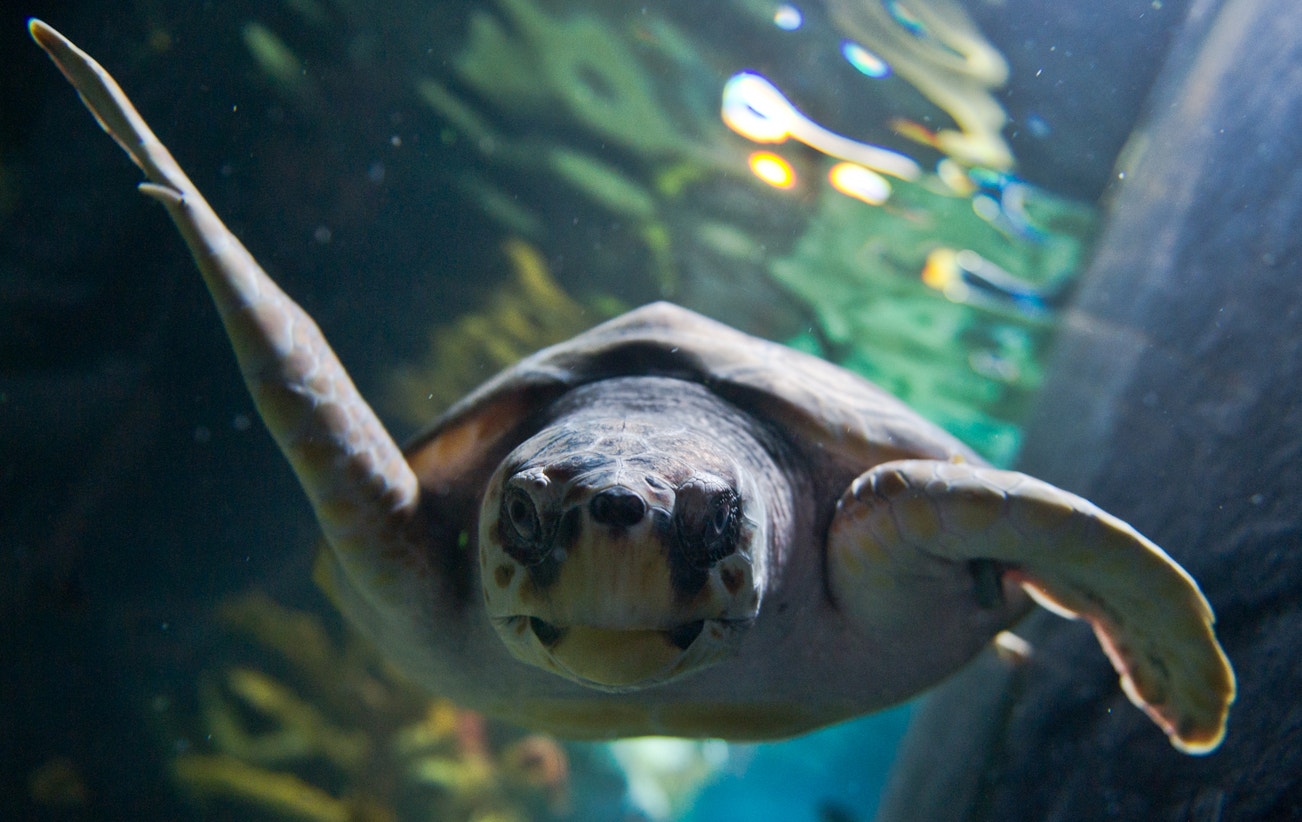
619	507
684	635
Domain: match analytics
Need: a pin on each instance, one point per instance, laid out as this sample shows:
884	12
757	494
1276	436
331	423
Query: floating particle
1038	126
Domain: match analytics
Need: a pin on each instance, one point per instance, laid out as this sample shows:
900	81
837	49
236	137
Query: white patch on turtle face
621	555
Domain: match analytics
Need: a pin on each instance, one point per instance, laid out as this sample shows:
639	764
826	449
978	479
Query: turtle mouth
680	637
617	658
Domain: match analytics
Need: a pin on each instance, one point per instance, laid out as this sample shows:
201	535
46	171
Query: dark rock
1078	77
1175	401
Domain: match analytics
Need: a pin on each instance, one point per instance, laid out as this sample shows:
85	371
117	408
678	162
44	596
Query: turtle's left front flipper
924	520
365	495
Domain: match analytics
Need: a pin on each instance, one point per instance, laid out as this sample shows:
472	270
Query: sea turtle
666	526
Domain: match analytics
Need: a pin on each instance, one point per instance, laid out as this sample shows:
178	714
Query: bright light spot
788	17
856	181
910	21
754	108
1012	648
772	169
864	61
941	268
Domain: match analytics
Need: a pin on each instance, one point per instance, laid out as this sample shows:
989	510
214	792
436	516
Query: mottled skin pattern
665	526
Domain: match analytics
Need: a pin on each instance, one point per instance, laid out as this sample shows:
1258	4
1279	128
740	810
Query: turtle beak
618	659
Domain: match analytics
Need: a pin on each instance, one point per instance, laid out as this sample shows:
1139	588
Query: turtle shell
828	426
841	424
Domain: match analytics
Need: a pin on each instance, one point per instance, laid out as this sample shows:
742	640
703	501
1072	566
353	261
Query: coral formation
214	777
608	106
892	304
602	183
577	64
334	735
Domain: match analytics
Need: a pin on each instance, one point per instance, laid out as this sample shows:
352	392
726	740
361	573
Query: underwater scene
1015	217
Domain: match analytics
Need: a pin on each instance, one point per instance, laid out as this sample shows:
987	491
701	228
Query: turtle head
622	553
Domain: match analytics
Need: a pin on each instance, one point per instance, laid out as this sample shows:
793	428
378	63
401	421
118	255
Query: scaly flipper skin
921	519
353	472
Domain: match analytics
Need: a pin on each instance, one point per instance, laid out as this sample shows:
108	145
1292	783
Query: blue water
837	770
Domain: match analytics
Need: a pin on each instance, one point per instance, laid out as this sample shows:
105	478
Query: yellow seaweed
335	734
298	729
210	776
297	636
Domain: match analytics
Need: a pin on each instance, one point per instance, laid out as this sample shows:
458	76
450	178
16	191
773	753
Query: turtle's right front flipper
363	491
908	524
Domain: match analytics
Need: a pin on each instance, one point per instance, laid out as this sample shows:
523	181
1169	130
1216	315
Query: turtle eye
724	510
519	527
708	524
520	513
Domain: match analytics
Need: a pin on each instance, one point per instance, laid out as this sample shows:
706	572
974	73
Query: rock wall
1174	401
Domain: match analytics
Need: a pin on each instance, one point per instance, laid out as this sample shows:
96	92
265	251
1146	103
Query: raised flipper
363	491
905	524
